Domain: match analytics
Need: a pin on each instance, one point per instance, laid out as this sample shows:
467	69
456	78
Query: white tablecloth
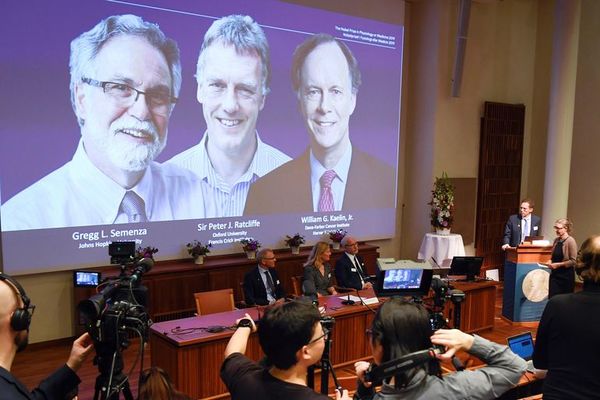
441	247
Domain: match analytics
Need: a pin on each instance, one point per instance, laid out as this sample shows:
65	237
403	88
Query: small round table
441	247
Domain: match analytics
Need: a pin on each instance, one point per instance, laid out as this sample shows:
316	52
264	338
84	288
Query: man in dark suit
521	225
261	284
350	270
332	175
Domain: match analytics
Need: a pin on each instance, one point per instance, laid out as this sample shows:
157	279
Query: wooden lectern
525	282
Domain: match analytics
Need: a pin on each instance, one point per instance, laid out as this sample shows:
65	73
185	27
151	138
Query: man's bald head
9	300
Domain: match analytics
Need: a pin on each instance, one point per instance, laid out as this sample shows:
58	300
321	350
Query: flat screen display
86	278
69	150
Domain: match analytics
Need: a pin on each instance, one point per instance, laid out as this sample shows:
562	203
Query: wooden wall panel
465	202
500	163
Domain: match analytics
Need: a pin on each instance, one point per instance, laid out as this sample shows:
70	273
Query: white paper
356	299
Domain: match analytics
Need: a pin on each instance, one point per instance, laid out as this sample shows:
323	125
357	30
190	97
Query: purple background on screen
39	131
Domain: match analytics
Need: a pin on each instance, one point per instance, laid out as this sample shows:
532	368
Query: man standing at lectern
350	270
521	225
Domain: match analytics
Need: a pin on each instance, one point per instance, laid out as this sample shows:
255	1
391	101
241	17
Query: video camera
111	314
410	278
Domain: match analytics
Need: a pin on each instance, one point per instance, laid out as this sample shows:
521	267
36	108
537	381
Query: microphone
348	301
392	367
363	302
309	289
436	265
143	266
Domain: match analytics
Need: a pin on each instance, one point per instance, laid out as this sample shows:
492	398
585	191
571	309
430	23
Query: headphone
21	318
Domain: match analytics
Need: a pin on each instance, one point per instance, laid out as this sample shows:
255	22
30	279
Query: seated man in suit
261	284
521	225
350	271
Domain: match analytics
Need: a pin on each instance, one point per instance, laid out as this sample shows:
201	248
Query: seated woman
317	270
401	327
156	385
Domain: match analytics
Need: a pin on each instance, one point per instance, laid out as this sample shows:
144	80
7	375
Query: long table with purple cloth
192	356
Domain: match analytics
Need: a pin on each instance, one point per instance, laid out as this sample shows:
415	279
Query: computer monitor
466	265
402	278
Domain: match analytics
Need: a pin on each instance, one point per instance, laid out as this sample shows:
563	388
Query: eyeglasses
324	335
159	101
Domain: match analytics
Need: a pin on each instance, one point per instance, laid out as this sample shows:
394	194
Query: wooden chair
242	303
214	301
297	284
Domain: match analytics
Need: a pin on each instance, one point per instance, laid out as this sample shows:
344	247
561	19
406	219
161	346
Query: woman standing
318	271
564	253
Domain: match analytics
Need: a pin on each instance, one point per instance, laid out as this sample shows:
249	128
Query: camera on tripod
112	314
415	279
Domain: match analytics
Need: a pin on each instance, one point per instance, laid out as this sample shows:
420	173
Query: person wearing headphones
401	329
15	318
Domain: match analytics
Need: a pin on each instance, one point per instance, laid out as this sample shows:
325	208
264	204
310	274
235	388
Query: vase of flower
250	246
198	251
442	205
336	238
294	242
145	252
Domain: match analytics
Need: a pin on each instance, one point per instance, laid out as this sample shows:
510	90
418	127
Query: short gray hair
246	36
261	254
86	47
306	47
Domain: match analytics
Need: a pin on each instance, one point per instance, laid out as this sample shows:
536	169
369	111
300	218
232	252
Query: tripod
111	379
326	367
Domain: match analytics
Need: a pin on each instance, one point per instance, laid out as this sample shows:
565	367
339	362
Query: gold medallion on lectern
535	285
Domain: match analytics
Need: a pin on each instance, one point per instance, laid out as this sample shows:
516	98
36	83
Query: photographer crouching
293	339
407	363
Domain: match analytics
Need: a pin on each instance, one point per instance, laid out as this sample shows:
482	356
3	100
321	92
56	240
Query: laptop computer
522	345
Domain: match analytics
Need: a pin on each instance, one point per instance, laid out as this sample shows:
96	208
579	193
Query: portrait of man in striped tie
332	174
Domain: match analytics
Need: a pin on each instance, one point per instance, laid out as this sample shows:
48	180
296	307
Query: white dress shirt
525	227
79	194
270	295
338	185
355	262
220	198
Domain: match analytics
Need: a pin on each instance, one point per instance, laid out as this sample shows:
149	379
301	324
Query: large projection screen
40	132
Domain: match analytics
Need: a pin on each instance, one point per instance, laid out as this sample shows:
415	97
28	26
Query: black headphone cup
21	318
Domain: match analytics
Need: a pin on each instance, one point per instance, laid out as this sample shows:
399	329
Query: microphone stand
349	301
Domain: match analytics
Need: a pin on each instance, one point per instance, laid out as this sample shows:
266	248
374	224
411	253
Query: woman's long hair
315	254
401	328
156	385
